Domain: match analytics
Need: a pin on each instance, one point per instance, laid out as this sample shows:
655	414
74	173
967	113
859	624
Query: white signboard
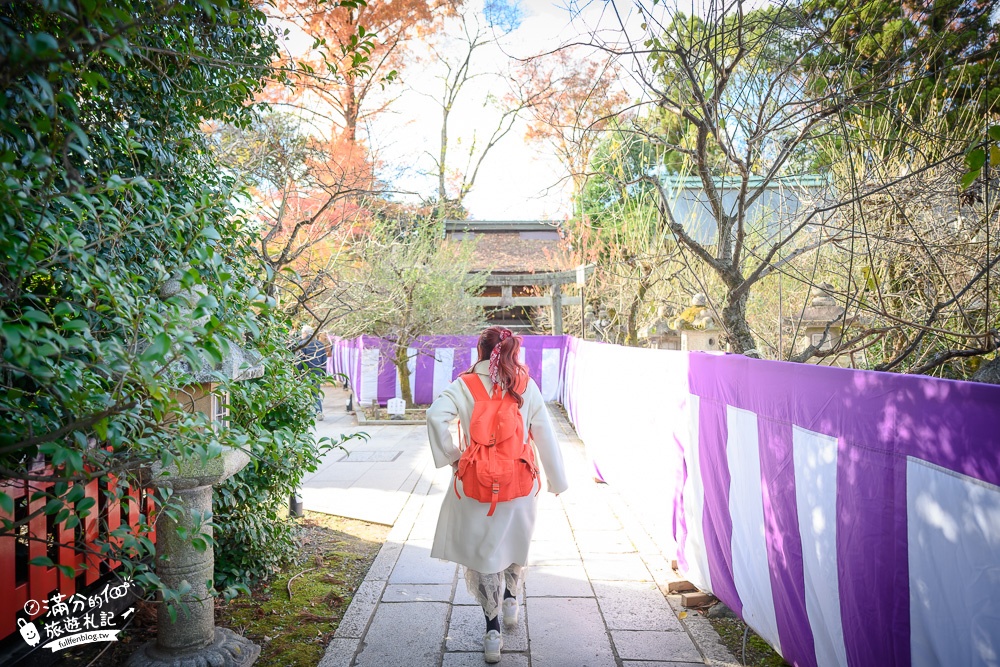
396	406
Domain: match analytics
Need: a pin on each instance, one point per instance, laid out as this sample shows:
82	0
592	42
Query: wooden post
557	310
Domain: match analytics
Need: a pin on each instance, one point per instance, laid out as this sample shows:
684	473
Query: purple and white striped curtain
850	517
434	363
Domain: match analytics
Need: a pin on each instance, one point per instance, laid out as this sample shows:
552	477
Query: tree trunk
351	107
401	362
632	336
442	202
443	158
734	320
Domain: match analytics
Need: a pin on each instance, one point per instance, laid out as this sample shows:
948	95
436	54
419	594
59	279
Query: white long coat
464	534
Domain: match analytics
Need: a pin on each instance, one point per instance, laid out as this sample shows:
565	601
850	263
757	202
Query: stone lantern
698	330
191	639
659	335
601	323
821	312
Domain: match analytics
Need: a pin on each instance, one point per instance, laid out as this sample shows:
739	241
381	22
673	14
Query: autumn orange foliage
575	99
355	48
329	72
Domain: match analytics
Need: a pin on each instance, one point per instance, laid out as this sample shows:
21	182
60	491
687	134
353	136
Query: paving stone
587	502
603	541
476	659
619	567
548	502
337	471
413	506
597	522
423	529
430	509
553	553
417	593
659	663
384	562
370	456
558	581
652	645
404	635
635	605
591	515
675	603
395	480
321	491
552	525
555	532
432	480
427	477
659	567
550	509
465	632
360	611
462	594
634	527
568	631
403	522
364	504
339	653
662	533
415	566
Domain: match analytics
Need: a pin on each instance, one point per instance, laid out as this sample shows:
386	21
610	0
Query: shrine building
529	268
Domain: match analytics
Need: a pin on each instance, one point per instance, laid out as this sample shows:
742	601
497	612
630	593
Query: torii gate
520	254
555	300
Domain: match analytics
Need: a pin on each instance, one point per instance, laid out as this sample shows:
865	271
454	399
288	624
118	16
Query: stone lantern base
191	638
227	650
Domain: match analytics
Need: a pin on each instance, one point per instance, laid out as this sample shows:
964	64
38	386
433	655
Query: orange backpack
497	465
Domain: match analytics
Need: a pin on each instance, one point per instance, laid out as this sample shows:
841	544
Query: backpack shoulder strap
475	386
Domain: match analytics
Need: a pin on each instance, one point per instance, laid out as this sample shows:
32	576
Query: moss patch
758	652
334	556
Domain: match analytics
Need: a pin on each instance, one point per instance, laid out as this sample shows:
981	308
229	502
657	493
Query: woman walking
491	539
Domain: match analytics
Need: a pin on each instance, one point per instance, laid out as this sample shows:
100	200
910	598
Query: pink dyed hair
510	366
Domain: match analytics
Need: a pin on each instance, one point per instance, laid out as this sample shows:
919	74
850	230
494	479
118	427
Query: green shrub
107	191
276	411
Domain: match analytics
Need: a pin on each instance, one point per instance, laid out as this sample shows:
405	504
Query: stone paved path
373	482
593	594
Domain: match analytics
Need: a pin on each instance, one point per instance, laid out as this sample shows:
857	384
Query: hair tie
495	356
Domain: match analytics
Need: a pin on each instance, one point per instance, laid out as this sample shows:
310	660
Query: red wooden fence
20	582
